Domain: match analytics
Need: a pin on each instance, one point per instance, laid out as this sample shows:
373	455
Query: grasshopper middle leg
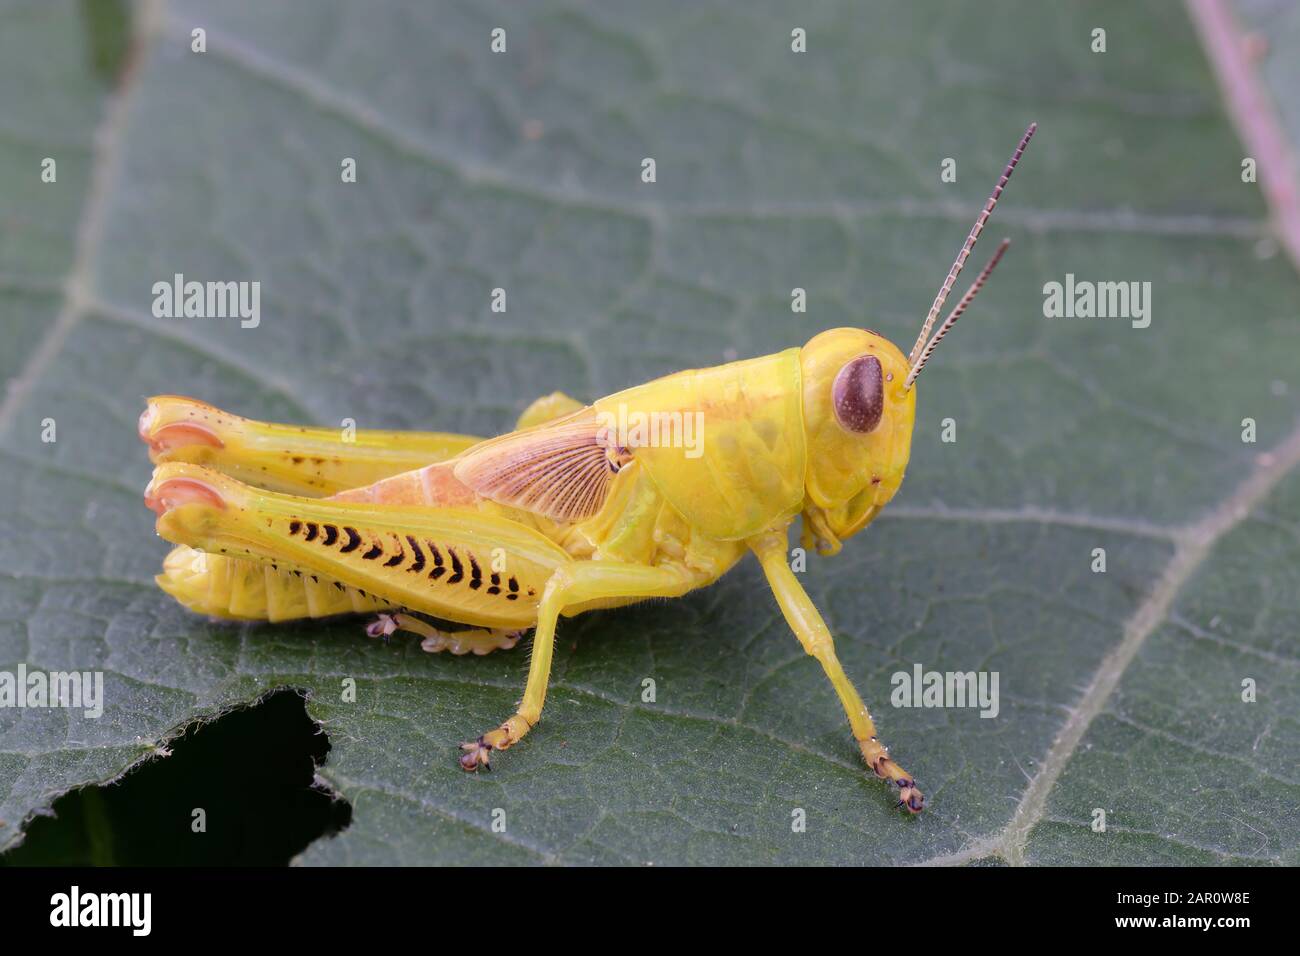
478	640
570	586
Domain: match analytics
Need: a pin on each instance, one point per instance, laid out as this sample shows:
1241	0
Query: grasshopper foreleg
815	636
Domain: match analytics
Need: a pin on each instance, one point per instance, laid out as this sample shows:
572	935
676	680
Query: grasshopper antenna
955	314
957	266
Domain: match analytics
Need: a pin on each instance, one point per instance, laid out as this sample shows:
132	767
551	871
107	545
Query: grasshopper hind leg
477	641
311	462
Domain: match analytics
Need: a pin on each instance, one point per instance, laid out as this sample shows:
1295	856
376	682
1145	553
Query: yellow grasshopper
651	492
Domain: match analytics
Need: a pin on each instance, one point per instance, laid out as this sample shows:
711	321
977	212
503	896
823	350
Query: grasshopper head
859	403
858	415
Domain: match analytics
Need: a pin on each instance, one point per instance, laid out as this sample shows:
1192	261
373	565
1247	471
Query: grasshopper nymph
561	516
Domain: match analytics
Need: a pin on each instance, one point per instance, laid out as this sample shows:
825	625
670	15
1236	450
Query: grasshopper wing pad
561	471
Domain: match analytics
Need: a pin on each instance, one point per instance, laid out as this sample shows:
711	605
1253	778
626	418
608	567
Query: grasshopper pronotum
563	515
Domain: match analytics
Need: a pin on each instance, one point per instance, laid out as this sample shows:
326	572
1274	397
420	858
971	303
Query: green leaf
1119	690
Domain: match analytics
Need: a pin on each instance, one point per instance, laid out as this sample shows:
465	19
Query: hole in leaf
250	772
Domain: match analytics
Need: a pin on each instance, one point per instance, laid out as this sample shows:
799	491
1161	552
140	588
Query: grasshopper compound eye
858	394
